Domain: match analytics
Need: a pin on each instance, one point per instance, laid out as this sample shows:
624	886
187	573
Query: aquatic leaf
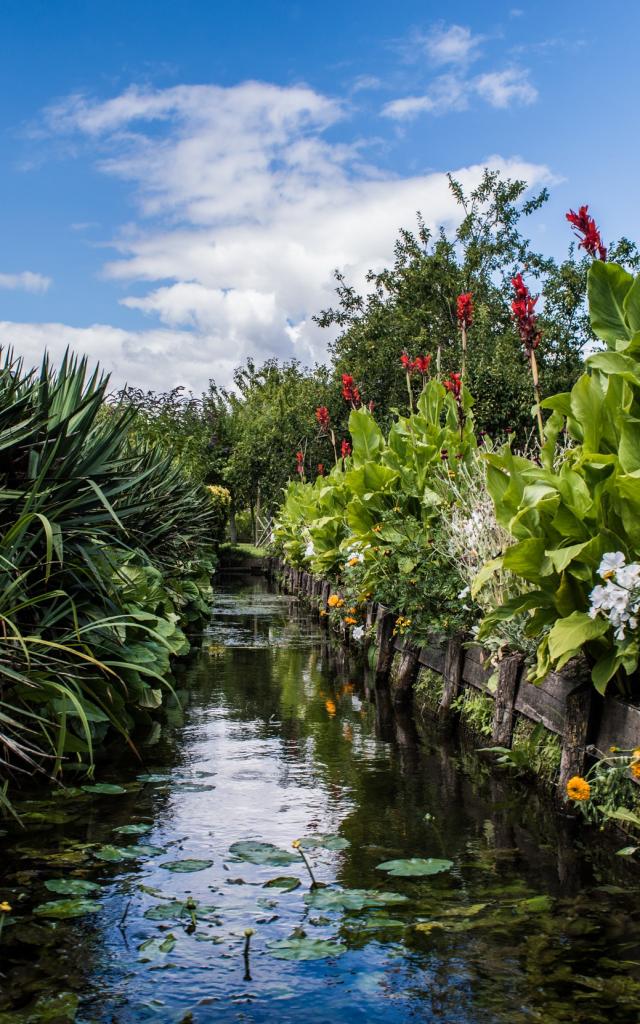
115	854
325	842
430	926
71	886
194	787
303	948
468	911
186	866
104	789
153	777
373	923
262	853
351	899
166	911
415	867
67	908
133	830
287	883
153	947
149	851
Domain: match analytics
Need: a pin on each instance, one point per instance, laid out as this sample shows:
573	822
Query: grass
228	551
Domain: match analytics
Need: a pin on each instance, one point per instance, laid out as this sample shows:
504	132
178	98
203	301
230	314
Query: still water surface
279	739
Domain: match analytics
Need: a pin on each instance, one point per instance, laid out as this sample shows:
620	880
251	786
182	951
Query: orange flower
335	601
330	706
635	769
349	620
578	788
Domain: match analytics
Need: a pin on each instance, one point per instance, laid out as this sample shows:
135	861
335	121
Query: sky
181	178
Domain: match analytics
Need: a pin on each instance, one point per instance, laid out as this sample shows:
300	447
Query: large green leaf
304	948
255	852
568	636
415	867
607	288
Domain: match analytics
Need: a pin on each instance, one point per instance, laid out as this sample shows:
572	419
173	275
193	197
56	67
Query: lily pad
67	908
186	866
305	948
415	867
351	899
155	947
154	777
71	886
262	853
133	830
325	842
115	854
149	851
104	789
194	787
165	911
287	883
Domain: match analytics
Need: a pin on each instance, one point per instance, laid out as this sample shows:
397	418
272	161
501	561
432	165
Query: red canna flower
454	385
345	449
465	309
299	457
322	416
421	364
586	226
405	360
523	310
350	392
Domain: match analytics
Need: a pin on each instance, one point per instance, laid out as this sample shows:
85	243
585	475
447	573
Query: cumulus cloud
455	44
247	203
500	89
26	281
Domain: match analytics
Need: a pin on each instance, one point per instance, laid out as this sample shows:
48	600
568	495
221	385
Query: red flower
322	416
522	308
407	365
299	457
421	364
454	385
586	226
345	450
350	392
300	463
372	405
465	309
320	469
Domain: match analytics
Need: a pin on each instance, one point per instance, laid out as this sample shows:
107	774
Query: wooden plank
474	671
619	726
433	658
505	696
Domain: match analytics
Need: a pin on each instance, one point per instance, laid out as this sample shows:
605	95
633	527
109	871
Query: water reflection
281	736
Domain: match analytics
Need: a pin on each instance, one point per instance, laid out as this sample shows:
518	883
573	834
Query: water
279	739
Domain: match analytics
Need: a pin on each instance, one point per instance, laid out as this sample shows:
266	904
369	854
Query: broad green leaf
104	789
328	841
115	854
287	883
415	867
133	830
568	635
262	853
71	886
607	289
303	948
186	866
351	899
67	908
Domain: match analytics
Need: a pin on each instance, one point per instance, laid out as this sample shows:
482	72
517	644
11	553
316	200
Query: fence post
384	639
505	698
580	711
453	664
406	676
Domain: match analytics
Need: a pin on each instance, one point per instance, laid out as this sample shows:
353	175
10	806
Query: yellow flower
5	907
330	706
323	612
636	753
352	611
578	788
353	561
377	528
635	769
613	750
296	844
335	601
349	620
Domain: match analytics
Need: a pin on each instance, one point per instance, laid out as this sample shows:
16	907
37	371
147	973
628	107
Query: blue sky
180	178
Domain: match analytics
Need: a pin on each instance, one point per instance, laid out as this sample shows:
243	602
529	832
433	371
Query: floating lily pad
116	854
67	908
415	867
186	866
305	948
325	842
153	947
104	789
154	777
71	886
166	911
351	899
149	851
194	787
133	830
374	923
287	883
262	853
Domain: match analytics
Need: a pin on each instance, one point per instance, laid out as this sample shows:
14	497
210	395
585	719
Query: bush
221	504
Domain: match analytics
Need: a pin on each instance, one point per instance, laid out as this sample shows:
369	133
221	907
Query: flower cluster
335	602
419	365
322	416
454	385
350	391
523	307
464	310
619	599
345	449
585	226
402	625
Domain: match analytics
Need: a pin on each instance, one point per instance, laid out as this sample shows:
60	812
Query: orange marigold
578	788
349	620
635	769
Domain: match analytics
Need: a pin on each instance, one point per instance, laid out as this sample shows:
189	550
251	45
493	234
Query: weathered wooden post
384	638
453	665
505	699
581	709
402	687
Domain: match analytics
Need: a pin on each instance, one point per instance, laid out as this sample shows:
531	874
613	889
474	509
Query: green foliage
105	559
566	513
221	504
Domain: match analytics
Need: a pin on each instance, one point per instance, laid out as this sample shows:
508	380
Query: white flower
358	632
464	592
628	576
309	551
610	564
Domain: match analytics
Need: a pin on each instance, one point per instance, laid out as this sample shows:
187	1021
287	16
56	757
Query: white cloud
502	88
26	281
246	207
448	93
453	45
